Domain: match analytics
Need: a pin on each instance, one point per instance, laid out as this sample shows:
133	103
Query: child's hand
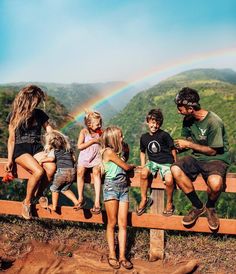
132	166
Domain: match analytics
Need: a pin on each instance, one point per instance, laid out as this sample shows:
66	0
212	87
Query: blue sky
107	40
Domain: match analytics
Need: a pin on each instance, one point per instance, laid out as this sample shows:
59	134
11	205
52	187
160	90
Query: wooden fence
153	220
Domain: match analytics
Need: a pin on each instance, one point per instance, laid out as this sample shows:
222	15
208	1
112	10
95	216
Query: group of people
105	152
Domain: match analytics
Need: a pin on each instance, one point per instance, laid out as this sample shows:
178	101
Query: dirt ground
46	247
54	258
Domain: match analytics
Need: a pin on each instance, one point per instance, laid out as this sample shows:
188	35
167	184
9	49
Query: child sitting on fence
89	157
161	154
115	194
59	150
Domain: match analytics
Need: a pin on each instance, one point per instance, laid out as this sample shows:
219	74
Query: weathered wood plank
227	226
156	183
157	235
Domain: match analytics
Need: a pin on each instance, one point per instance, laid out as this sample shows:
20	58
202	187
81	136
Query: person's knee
96	172
169	181
80	173
216	184
122	224
112	222
176	171
144	174
38	173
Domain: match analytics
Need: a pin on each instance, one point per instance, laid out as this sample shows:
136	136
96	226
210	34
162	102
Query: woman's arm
10	148
81	144
110	155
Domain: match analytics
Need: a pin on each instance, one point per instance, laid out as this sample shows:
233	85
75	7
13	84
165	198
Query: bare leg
80	183
55	197
112	212
50	169
169	191
215	185
70	195
97	185
182	180
144	186
29	163
122	223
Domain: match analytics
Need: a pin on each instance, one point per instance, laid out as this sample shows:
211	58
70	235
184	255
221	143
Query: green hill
72	96
217	88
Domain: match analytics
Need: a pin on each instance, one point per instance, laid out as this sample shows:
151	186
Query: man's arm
186	144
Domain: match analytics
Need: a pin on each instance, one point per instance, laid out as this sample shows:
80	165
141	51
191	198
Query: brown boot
193	215
212	218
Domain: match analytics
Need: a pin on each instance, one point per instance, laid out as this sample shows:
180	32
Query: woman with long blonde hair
24	142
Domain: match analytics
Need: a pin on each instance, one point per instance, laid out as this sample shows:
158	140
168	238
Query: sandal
95	210
79	206
140	211
43	202
113	262
126	264
169	212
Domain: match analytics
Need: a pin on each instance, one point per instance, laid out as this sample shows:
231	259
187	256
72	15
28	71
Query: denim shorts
63	179
154	167
115	190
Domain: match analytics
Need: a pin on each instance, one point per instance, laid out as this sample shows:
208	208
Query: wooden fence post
157	235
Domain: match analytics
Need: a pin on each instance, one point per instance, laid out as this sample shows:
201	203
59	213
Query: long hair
111	139
56	140
24	104
90	115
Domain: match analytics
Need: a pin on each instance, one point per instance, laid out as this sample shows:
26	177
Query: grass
213	251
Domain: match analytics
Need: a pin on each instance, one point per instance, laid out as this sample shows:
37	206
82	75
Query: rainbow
98	101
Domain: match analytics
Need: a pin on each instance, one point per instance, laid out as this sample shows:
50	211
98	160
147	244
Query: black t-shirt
30	132
158	147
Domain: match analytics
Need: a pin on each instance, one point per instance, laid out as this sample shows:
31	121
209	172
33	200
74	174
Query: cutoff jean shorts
116	190
63	179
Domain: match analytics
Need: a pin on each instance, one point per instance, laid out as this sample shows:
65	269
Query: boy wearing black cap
204	133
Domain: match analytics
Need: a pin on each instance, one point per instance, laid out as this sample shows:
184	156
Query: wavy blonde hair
24	104
90	115
56	140
111	139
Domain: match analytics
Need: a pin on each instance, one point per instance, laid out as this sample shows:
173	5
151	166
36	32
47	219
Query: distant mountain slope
72	96
217	89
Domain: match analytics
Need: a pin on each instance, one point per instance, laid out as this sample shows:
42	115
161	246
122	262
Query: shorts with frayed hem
63	179
115	190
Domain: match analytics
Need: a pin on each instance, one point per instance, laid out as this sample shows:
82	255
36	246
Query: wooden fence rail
153	220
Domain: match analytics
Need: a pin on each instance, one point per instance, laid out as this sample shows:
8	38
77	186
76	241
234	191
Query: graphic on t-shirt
203	134
154	147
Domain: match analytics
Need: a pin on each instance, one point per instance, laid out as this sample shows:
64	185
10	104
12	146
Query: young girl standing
115	194
89	157
59	150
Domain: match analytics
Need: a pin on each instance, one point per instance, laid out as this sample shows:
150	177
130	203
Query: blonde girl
89	157
58	150
24	143
115	194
